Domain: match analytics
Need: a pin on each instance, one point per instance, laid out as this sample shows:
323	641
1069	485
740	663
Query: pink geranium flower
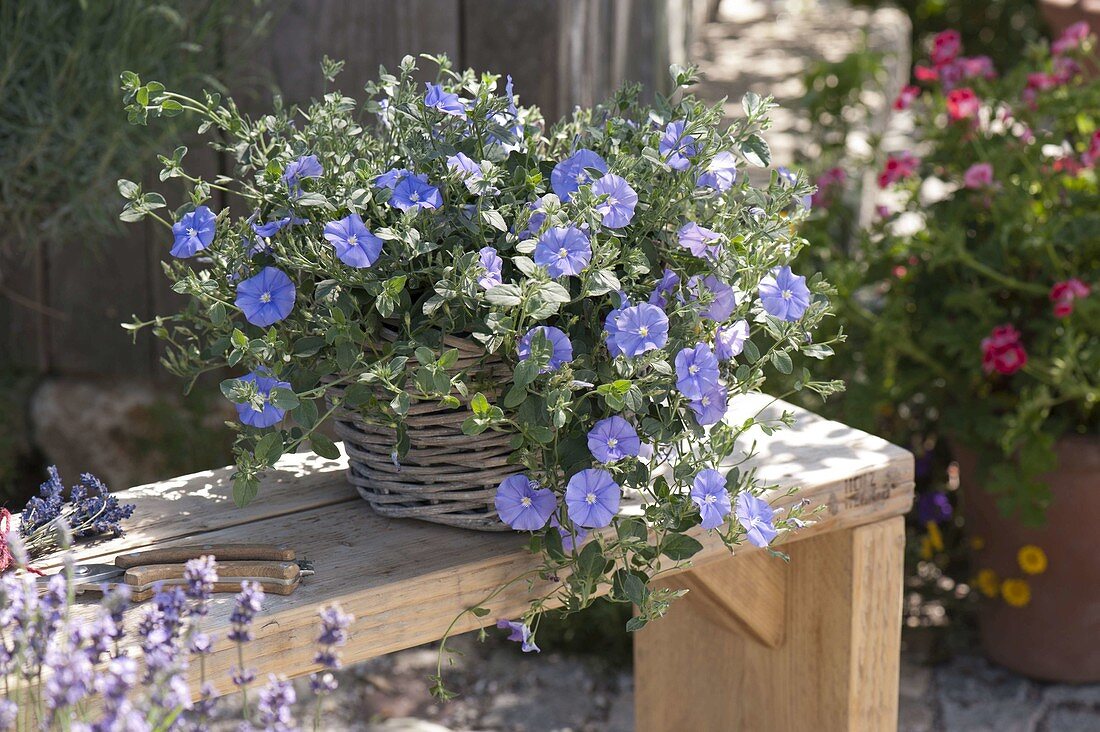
906	97
898	167
1002	351
945	47
962	104
1062	294
1071	38
978	175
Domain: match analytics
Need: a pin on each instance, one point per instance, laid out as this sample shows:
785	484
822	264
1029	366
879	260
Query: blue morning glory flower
392	177
468	170
701	242
611	325
755	516
572	173
266	298
721	173
641	328
618	208
193	232
306	166
696	371
521	634
355	245
592	498
729	341
724	299
668	282
523	504
509	120
270	414
563	251
708	492
536	220
561	348
711	407
491	262
272	228
784	294
676	147
790	178
613	439
446	102
413	192
570	538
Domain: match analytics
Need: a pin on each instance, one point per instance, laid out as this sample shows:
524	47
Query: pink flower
898	167
1093	153
906	97
978	175
925	73
827	185
945	47
1065	69
977	66
1071	38
1062	294
1002	351
962	104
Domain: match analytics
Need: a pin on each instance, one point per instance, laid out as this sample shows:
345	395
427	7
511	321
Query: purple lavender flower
641	328
724	299
413	193
334	633
355	245
611	326
784	294
201	575
617	209
572	173
267	297
193	232
711	407
563	251
729	340
934	506
669	281
520	634
9	714
676	147
306	166
709	493
592	498
274	707
572	537
701	242
755	516
696	371
446	102
69	678
523	504
468	170
247	603
492	263
270	414
721	173
392	177
120	676
613	439
46	506
561	348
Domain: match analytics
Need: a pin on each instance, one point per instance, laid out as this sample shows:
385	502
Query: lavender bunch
89	510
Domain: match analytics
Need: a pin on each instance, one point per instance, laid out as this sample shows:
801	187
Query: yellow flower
934	536
925	548
1032	559
977	543
1016	592
988	582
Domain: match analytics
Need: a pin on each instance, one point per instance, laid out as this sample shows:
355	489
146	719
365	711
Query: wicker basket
446	477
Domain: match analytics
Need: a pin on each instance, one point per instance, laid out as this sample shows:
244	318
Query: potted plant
512	325
982	323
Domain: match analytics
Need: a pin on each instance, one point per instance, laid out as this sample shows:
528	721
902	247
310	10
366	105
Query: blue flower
613	439
268	415
720	174
592	498
272	228
468	170
755	516
618	208
491	262
355	245
563	251
520	634
676	147
561	348
570	538
193	232
523	504
668	282
709	493
392	177
701	242
266	298
641	328
572	173
784	294
723	298
306	166
729	341
536	220
413	192
446	102
611	325
711	407
509	120
696	371
790	179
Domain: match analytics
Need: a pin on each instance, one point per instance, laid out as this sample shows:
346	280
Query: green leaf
283	398
679	547
313	199
602	281
269	448
756	151
323	446
480	405
508	296
480	612
217	313
357	395
128	189
782	362
308	346
245	489
628	586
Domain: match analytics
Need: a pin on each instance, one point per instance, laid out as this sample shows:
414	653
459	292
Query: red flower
1002	351
962	103
906	97
897	167
925	73
945	47
1062	294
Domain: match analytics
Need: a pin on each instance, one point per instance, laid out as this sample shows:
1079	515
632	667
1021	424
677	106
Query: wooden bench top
405	581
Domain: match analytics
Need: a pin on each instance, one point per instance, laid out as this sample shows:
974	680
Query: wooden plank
748	596
837	668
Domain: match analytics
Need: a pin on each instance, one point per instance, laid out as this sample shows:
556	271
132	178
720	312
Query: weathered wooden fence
63	306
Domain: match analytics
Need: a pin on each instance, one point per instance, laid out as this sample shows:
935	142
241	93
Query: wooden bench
757	644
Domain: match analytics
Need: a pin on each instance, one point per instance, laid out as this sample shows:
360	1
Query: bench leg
758	644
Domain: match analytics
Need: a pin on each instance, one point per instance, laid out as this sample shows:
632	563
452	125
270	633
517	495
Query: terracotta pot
1055	635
